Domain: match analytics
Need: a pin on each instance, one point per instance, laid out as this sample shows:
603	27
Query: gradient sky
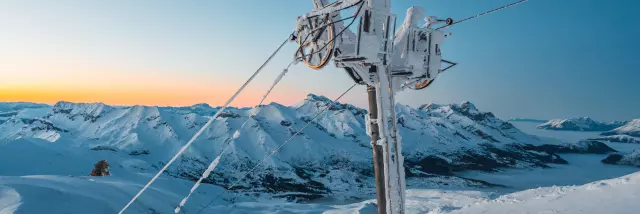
541	59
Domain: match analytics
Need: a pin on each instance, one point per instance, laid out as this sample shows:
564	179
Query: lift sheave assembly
387	60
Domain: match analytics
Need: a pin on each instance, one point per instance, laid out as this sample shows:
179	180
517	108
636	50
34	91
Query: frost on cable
205	175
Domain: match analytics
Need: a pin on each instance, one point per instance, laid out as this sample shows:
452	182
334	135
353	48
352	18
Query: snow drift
619	195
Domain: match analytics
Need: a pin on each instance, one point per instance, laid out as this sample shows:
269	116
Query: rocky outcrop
581	147
630	159
618	139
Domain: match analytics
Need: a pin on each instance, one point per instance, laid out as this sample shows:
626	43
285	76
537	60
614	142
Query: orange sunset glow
152	96
129	88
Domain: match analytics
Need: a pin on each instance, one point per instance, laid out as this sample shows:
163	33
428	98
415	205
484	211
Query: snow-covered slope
71	195
629	133
619	195
632	128
630	159
331	157
57	194
580	124
619	139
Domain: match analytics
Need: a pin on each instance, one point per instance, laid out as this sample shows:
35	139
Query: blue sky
541	59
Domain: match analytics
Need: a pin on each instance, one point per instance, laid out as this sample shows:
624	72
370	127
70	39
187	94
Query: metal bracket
451	65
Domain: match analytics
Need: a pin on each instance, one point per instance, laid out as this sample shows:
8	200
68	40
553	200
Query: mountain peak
314	97
67	103
201	105
88	109
430	106
465	107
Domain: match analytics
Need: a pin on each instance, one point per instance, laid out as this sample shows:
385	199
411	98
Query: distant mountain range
331	157
629	133
632	128
580	124
518	119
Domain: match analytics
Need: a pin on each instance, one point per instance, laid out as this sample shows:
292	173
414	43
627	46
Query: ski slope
56	194
618	195
71	195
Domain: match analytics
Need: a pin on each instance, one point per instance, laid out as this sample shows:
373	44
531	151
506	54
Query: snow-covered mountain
630	159
632	128
629	133
580	147
331	157
618	139
580	124
519	119
10	109
15	106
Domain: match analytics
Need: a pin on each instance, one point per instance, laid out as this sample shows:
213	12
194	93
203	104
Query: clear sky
541	59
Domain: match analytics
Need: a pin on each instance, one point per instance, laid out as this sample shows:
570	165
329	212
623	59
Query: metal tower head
412	52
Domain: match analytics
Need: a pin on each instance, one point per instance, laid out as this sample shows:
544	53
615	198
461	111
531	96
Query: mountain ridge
330	157
580	124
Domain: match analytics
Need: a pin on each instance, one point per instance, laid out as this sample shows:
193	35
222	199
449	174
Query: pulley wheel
316	42
449	21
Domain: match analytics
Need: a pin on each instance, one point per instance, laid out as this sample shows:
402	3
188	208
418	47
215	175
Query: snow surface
619	195
60	143
57	194
105	194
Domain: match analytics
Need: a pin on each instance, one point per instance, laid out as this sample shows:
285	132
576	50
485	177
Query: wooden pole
378	158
